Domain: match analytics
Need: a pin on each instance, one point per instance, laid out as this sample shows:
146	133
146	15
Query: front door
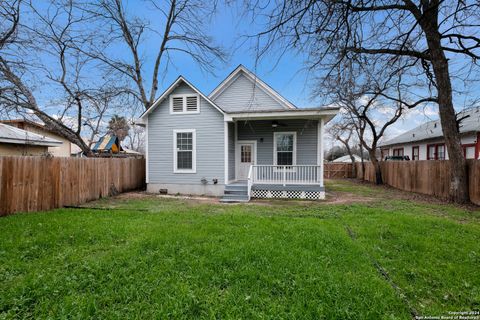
245	158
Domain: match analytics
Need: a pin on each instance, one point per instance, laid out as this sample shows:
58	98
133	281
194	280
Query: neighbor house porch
280	157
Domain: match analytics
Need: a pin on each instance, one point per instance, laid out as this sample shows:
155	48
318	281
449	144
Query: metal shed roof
433	129
9	134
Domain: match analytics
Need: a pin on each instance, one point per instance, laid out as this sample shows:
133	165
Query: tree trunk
58	128
376	165
363	162
352	158
458	173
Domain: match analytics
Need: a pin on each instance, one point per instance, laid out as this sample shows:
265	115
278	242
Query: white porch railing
249	183
284	175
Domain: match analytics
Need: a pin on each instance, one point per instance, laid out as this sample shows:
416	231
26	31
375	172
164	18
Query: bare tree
344	132
51	33
426	33
370	104
184	24
9	19
54	35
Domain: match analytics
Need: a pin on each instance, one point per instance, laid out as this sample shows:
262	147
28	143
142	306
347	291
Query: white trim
320	134
184	102
236	140
146	152
237	153
225	150
31	142
294	156
170	89
288	114
252	77
194	151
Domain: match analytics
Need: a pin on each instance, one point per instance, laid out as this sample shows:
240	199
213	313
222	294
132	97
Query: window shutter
192	103
177	104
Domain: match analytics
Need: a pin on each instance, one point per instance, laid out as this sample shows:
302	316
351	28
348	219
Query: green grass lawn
376	255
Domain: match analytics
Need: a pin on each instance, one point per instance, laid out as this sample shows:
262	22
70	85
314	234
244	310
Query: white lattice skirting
290	194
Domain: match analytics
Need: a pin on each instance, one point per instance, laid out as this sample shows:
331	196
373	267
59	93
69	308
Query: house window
436	152
441	152
431	152
415	153
184	103
398	152
469	151
385	153
285	145
184	158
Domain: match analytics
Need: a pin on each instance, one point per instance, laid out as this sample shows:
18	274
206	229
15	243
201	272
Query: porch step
235	193
234	198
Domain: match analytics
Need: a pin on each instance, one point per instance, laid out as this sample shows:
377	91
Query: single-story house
63	150
242	140
18	142
347	159
426	141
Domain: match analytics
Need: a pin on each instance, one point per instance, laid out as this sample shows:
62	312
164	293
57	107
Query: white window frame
194	151
294	156
184	100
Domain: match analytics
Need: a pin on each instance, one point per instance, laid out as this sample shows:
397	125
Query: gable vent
192	103
177	104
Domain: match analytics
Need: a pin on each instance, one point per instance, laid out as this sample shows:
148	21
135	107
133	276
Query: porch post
320	131
226	151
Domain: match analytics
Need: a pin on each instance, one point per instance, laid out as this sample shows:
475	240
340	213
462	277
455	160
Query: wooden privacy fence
426	177
36	183
337	170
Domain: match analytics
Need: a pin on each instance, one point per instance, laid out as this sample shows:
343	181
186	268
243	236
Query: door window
246	153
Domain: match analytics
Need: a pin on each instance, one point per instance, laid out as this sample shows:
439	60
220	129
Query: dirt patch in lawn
346	198
331	198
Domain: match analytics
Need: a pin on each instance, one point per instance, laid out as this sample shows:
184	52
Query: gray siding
244	95
306	138
231	151
209	127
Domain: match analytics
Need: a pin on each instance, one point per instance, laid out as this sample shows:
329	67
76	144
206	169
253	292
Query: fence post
284	176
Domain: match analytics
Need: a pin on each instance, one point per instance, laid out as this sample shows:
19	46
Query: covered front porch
279	157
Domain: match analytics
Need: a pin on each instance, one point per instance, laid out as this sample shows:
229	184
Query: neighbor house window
284	148
398	152
184	157
436	152
441	152
415	153
469	151
184	103
385	153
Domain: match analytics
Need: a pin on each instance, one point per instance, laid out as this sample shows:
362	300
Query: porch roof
307	113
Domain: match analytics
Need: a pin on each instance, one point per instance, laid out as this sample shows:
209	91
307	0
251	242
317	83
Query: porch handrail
284	175
249	182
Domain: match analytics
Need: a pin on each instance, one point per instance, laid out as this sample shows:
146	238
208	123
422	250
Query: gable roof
170	90
254	79
433	129
106	143
10	134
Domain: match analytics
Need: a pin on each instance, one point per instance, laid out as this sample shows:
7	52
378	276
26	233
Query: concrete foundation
188	189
